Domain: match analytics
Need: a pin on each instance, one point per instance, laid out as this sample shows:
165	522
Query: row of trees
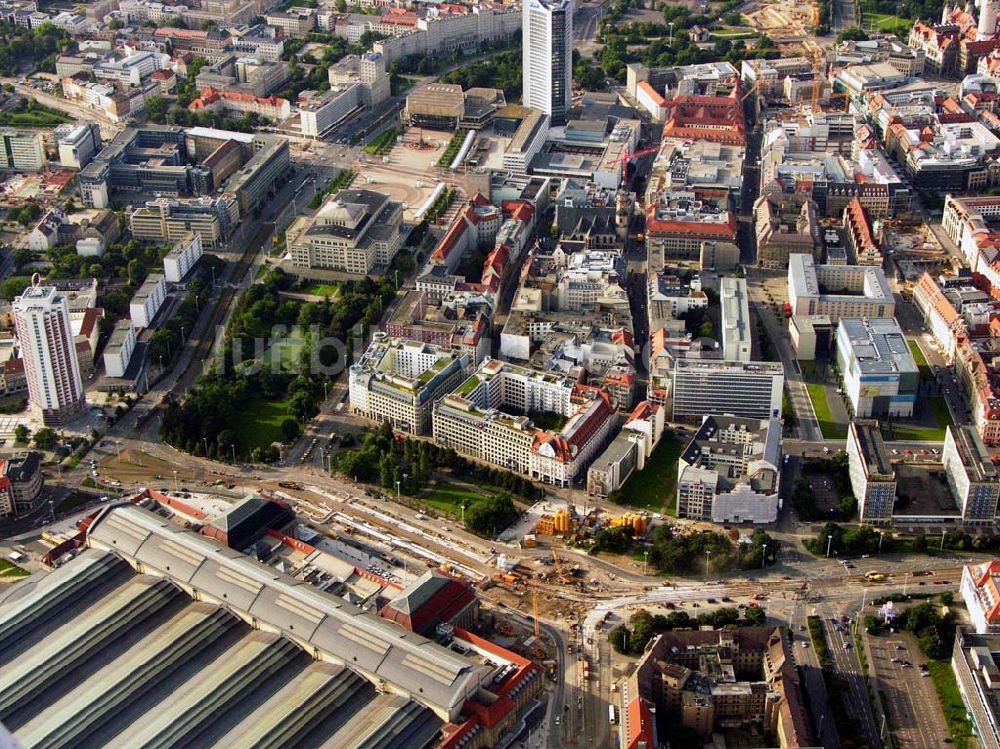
168	339
709	551
45	438
858	540
643	626
926	9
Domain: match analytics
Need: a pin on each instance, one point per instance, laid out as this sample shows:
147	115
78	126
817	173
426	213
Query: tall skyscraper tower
547	39
55	388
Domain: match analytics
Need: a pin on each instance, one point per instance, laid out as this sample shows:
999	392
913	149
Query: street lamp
205	441
645	559
233	448
397	490
763	557
881	535
829	540
708	561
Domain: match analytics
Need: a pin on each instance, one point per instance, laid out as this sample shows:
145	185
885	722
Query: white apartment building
182	257
547	40
818	289
527	142
751	390
119	349
55	388
735	307
131	70
489	418
321	112
78	143
981	592
730	470
873	479
21	150
399	381
972	476
147	300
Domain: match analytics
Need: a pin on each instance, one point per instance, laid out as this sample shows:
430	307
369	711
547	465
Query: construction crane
818	71
750	90
539	650
632	155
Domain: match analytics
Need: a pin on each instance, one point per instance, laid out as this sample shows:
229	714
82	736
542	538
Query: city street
915	715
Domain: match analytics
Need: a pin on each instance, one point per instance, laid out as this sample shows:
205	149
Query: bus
611	714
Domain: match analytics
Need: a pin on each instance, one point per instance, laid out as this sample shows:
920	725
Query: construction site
786	22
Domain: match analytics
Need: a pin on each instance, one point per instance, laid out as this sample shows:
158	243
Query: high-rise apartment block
55	388
873	478
21	150
547	39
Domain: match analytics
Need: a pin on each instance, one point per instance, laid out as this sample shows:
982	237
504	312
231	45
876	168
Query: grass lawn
920	360
289	350
9	570
951	704
259	424
655	487
448	498
889	23
320	289
831	430
733	34
924	433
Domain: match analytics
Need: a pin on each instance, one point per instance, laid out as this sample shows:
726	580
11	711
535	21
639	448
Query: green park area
889	24
655	487
258	424
830	428
448	497
320	289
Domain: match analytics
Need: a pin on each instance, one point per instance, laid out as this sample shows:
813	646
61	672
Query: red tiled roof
726	231
640	725
652	93
211	95
90	318
446	603
450	239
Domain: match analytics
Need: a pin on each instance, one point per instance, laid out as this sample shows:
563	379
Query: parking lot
914	714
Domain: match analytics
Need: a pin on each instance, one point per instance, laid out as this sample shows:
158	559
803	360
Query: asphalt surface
915	715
